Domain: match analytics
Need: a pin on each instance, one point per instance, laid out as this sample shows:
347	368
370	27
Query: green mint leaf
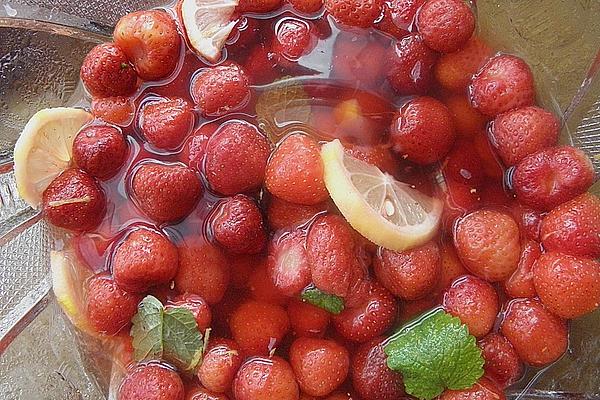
171	335
326	301
433	354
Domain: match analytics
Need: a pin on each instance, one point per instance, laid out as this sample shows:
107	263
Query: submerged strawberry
411	66
238	226
354	13
288	264
166	122
221	89
100	150
106	72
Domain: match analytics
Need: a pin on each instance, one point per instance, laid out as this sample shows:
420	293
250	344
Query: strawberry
538	336
371	377
202	271
150	40
320	365
474	302
467	120
552	176
202	393
261	286
529	220
283	214
357	58
354	13
403	12
422	131
236	158
220	362
197	306
166	193
306	6
276	380
106	72
483	389
262	64
194	148
294	38
410	69
372	318
330	249
108	308
238	226
487	242
295	171
307	320
144	259
288	264
505	82
567	286
165	122
446	25
490	164
387	25
502	364
409	274
258	6
462	164
520	283
451	267
380	156
259	327
100	150
220	89
574	227
74	201
454	71
151	381
523	131
114	110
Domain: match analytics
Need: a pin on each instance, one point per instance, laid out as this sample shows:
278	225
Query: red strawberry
320	365
261	64
203	271
372	318
144	259
410	69
276	380
454	71
490	164
114	110
356	58
220	89
387	25
151	381
523	131
261	286
202	393
409	274
294	38
330	249
446	25
550	177
259	327
403	12
520	283
295	171
462	164
106	72
258	6
220	362
288	262
283	214
236	158
483	389
166	193
238	226
503	83
371	377
197	306
194	148
166	122
355	13
467	120
474	302
502	364
74	201
451	269
100	150
109	308
568	286
487	242
380	156
306	6
574	227
538	336
529	220
422	131
307	320
151	41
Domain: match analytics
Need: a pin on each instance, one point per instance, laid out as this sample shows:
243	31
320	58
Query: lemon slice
208	25
389	213
44	149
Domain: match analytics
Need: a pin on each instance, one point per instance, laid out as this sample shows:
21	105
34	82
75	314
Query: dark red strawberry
220	362
463	164
503	83
502	364
151	381
74	201
293	38
411	64
261	64
356	13
423	131
238	226
114	110
277	380
306	6
550	177
446	25
106	72
520	283
151	41
283	214
100	150
258	6
259	327
166	122
194	148
236	158
288	264
307	320
221	89
197	306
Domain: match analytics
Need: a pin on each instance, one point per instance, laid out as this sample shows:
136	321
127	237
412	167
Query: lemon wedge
389	213
208	25
44	149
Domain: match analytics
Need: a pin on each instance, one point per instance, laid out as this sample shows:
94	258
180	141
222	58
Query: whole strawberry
106	72
294	38
151	41
239	227
151	381
166	122
446	25
166	193
74	201
221	89
100	150
502	364
411	66
277	380
356	13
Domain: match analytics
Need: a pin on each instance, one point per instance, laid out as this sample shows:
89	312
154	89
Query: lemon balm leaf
326	301
433	354
147	329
